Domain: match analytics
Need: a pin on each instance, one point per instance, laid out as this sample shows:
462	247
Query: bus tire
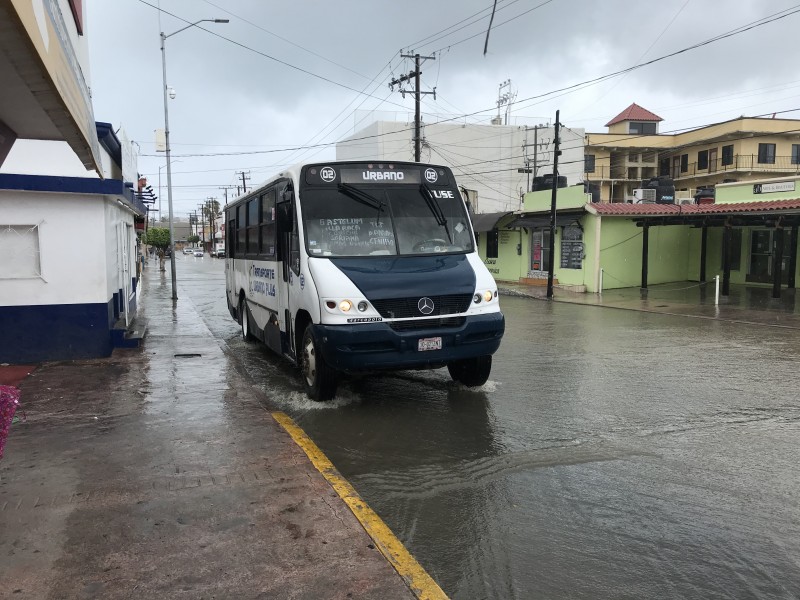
472	372
319	379
244	320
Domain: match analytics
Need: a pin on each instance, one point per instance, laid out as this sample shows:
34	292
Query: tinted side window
241	230
252	226
268	223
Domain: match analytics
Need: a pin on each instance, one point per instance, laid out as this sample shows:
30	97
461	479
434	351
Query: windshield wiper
433	205
361	196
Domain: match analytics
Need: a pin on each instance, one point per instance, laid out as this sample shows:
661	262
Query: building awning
752	214
487	221
536	220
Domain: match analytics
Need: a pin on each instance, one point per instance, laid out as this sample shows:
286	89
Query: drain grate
188	355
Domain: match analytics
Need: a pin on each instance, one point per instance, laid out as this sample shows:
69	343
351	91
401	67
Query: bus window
241	230
231	235
268	223
252	226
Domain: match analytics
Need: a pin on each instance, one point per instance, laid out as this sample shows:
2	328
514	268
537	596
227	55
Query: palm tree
211	211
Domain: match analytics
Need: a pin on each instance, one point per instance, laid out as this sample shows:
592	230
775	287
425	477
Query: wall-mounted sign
571	248
766	188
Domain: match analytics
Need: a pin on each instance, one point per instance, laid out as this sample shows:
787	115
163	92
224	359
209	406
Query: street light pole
160	212
166	140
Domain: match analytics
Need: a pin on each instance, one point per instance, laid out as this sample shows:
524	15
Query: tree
193	239
211	210
158	237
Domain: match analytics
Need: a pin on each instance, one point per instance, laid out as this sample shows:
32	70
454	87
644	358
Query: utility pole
211	219
536	144
556	153
506	99
203	226
417	93
245	177
225	191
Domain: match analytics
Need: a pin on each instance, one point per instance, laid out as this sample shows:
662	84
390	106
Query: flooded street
612	453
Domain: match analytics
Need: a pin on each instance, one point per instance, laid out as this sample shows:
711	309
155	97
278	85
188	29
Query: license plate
434	343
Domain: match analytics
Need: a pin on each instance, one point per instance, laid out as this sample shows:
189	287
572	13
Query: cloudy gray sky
289	74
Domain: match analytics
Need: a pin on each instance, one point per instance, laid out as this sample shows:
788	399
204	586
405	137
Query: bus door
289	257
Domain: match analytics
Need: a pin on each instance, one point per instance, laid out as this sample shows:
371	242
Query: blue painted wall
69	331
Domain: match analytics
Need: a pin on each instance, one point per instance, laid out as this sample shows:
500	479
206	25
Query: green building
747	236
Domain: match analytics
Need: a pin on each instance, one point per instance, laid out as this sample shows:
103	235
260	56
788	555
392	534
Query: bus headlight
477	298
487	296
345	305
362	306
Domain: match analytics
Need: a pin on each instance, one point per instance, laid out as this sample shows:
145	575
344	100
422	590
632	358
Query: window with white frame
19	247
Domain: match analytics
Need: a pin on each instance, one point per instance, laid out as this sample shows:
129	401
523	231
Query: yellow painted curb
399	557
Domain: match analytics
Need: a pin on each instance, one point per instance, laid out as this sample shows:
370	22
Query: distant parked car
188	250
198	252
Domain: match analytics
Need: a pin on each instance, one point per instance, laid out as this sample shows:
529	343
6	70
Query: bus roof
293	173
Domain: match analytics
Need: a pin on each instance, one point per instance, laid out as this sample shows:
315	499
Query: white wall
115	215
483	157
72	248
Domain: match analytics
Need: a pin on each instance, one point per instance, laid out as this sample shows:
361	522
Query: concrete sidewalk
160	473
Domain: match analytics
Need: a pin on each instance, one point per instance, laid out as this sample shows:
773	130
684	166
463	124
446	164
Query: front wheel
319	379
472	372
244	320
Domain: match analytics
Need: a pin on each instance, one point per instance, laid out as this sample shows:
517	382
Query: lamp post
159	185
166	139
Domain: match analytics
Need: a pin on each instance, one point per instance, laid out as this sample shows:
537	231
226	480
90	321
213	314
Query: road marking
399	557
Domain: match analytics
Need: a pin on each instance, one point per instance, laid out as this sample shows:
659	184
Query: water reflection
424	451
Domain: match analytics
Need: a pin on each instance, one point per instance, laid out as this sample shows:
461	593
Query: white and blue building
68	201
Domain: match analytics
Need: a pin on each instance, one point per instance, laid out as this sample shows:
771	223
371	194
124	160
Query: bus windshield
406	220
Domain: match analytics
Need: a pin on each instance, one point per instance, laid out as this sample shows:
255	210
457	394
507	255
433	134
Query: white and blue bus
355	266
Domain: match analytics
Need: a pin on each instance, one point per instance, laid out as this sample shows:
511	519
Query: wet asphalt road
612	453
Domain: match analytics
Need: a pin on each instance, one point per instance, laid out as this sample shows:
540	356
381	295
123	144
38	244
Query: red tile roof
634	113
657	210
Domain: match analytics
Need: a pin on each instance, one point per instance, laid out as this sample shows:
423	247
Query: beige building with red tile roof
741	149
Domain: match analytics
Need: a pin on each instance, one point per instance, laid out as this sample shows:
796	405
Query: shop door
540	250
762	248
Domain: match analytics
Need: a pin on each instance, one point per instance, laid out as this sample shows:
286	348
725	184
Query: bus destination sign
354	174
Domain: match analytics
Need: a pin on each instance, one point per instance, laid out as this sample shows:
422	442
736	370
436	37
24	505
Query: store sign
766	188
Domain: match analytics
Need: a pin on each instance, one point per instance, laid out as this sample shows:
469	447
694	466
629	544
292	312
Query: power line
428	39
288	41
264	54
741	29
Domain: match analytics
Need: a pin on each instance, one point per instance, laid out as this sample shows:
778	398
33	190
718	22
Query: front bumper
371	346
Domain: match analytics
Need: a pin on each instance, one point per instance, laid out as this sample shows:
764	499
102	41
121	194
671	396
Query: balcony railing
740	162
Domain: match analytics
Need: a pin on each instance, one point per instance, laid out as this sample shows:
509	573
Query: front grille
403	308
427	323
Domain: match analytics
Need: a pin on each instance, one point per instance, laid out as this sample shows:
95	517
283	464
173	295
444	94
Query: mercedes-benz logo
425	305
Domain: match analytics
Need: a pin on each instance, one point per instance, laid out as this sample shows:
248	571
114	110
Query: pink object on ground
9	400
